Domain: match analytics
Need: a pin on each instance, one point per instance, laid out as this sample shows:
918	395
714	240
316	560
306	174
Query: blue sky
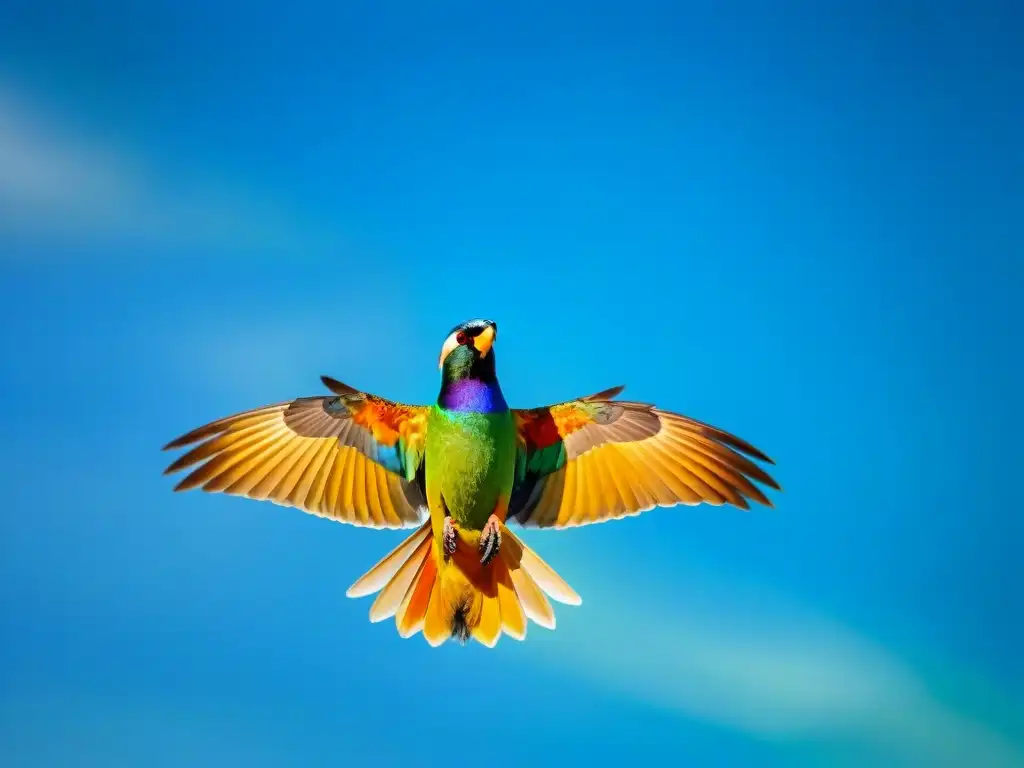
801	224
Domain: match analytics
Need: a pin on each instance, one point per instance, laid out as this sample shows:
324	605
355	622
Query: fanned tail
458	597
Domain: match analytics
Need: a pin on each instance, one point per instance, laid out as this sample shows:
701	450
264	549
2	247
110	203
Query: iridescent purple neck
472	395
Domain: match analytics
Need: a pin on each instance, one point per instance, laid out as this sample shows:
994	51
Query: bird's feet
490	539
450	537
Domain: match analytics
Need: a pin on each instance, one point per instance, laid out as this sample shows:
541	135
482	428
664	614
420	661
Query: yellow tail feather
375	578
459	598
413	612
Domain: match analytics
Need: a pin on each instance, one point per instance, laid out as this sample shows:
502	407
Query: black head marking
474	327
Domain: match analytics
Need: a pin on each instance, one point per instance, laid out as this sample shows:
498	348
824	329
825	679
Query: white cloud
60	185
767	669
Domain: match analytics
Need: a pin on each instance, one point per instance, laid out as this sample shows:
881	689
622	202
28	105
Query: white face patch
449	344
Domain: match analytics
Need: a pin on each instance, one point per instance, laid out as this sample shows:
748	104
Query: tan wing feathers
622	458
314	453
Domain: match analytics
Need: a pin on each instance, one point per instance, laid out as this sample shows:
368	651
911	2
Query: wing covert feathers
597	459
349	456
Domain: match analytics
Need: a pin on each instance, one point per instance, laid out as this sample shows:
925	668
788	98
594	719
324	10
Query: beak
484	340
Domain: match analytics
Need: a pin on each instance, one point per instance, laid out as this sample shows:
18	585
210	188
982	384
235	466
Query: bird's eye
461	337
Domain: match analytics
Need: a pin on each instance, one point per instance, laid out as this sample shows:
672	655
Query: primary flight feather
459	471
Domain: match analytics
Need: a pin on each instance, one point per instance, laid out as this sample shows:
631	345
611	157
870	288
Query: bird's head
467	353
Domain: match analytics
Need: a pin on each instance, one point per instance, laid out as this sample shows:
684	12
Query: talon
490	540
450	537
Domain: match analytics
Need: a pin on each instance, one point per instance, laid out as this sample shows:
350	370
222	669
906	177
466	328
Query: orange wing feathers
350	456
386	420
595	459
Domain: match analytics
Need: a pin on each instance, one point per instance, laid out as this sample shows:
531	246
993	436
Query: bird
461	471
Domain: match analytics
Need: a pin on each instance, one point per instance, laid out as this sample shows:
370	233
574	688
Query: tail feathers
458	598
513	617
535	604
413	611
539	571
392	596
383	572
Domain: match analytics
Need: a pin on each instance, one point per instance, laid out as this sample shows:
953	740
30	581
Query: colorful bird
459	471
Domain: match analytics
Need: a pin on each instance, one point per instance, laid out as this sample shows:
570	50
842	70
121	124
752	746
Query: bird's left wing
596	459
350	456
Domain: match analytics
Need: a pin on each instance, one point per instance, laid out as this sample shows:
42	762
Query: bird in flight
460	472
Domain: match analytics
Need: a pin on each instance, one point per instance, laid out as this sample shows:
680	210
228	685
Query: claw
490	540
450	537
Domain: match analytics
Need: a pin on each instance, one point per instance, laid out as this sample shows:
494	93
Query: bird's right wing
350	456
596	459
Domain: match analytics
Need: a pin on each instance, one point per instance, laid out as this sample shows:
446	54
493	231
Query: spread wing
596	459
350	456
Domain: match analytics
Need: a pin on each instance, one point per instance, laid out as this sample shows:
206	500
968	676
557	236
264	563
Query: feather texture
350	456
597	459
463	462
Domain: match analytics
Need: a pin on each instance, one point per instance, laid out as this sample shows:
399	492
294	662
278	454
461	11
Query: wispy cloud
243	355
60	184
52	730
773	670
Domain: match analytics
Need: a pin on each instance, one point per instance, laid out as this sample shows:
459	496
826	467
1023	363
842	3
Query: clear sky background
801	224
